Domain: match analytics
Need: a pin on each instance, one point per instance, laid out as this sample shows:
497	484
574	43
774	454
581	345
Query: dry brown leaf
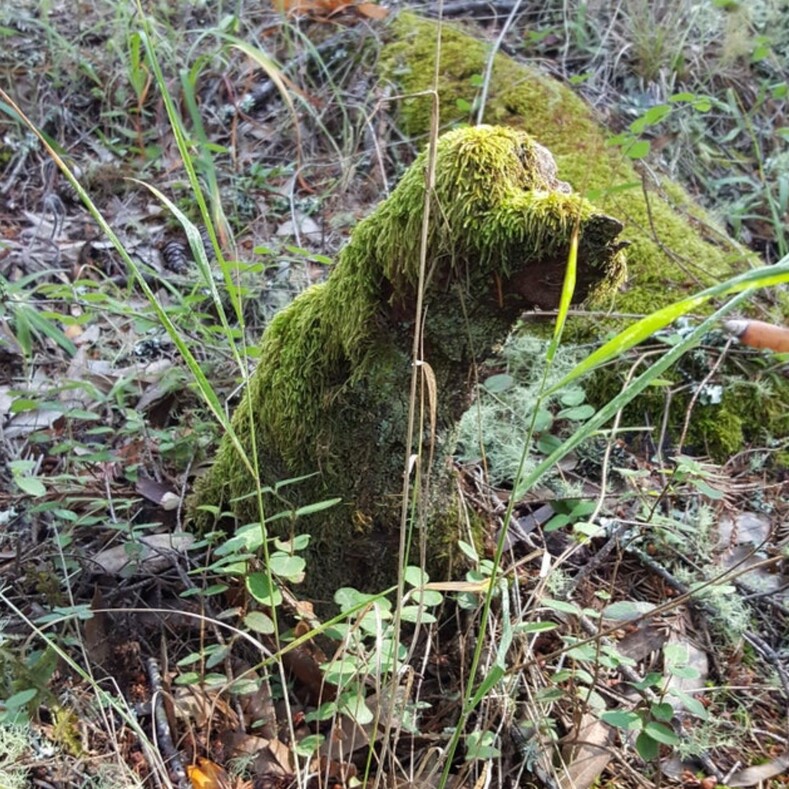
304	662
697	659
158	493
8	340
333	773
327	8
751	528
281	753
258	707
6	400
751	776
345	737
479	587
590	756
27	422
196	705
208	775
265	757
151	553
306	610
372	10
305	226
647	638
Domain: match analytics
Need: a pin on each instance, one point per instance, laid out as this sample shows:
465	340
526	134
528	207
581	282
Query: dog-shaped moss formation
330	395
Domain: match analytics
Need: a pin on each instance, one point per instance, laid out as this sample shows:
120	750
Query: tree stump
330	396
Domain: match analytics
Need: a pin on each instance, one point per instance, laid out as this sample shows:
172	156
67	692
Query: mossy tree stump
675	246
331	393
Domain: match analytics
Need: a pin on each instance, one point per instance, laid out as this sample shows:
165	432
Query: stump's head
499	215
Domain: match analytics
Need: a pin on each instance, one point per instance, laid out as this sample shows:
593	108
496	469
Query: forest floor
129	654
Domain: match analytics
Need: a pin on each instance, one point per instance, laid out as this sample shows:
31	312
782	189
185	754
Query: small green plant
475	81
652	719
632	142
23	473
24	679
29	321
507	403
696	475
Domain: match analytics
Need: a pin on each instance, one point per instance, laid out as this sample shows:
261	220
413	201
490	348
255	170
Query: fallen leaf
372	10
746	527
308	228
590	756
647	638
208	775
197	705
751	776
696	659
151	553
156	492
478	587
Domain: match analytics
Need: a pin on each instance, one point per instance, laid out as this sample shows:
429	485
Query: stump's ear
601	230
598	237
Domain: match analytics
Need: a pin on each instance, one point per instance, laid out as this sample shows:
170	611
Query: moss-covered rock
675	246
330	396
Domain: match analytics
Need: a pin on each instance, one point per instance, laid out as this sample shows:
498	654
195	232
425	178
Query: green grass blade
646	327
609	410
184	149
568	289
218	218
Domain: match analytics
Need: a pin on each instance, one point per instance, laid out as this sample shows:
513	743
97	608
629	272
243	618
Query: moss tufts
330	394
675	246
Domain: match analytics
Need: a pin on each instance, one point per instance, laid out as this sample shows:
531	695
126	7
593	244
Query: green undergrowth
493	429
739	405
715	416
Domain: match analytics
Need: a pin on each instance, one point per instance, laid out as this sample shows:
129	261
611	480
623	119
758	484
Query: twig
600	556
164	736
251	102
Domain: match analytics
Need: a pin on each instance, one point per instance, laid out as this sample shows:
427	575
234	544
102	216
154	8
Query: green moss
715	431
673	251
760	402
750	411
331	391
675	246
